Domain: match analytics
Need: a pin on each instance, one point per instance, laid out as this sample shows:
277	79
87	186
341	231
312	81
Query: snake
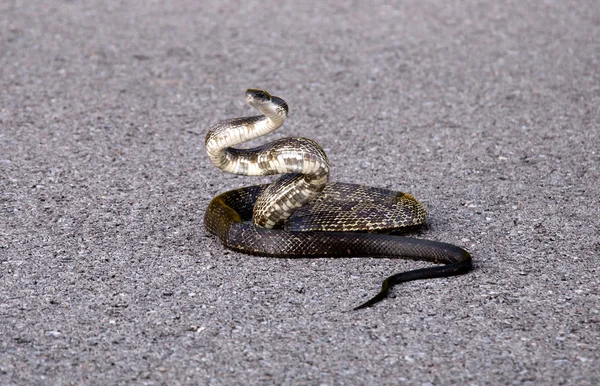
303	215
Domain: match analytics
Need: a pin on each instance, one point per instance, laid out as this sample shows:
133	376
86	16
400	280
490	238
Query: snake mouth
256	95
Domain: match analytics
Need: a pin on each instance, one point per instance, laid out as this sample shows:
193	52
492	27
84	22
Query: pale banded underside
302	161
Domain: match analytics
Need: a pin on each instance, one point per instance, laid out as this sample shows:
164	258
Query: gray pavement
487	111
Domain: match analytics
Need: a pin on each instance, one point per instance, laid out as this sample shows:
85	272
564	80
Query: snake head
270	105
257	97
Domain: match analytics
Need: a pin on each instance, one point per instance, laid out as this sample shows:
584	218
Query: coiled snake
301	214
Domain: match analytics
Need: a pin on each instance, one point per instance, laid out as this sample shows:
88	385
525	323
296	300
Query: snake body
301	214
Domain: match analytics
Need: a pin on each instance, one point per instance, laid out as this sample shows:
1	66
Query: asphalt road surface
487	111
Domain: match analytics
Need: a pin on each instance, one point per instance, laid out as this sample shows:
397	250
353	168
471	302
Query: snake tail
459	268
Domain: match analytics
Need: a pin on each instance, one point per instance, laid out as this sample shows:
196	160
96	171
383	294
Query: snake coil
301	214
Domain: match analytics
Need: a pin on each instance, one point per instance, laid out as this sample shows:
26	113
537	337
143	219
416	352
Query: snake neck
231	132
302	161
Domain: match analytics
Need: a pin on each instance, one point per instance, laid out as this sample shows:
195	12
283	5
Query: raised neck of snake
302	161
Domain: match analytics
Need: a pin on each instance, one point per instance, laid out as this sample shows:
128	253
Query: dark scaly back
229	217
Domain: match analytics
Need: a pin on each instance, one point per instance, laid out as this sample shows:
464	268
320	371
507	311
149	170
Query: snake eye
258	95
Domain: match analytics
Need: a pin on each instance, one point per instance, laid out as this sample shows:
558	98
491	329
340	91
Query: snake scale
303	215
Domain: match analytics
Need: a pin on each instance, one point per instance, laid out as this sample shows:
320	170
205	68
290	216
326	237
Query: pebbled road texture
487	111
